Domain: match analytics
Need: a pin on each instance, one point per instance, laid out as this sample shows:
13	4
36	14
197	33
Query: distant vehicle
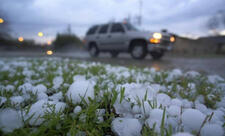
123	37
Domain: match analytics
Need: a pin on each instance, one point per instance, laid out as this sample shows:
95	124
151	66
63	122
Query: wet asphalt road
206	64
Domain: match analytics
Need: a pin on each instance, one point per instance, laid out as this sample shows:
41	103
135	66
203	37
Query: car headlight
172	39
154	41
157	35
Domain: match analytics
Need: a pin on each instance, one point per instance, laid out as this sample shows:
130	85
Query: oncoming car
123	37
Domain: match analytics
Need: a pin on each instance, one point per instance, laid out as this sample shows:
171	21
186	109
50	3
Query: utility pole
140	12
69	29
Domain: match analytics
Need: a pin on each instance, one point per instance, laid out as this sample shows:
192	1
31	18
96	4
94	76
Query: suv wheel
114	54
156	55
138	50
93	50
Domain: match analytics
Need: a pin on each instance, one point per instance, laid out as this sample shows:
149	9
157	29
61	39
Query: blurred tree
213	22
216	22
223	16
69	31
66	39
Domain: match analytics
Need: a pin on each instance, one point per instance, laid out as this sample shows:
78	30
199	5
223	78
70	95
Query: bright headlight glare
157	35
172	39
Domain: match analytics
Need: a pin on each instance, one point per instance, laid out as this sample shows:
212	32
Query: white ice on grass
176	102
27	73
41	107
163	99
26	87
200	99
77	109
10	119
16	100
57	81
213	79
126	127
212	130
182	134
156	116
144	90
56	97
39	89
215	120
219	114
42	96
174	110
2	87
79	90
201	107
136	109
157	87
79	78
192	86
83	117
191	74
221	86
176	73
122	108
173	121
100	113
2	100
192	119
135	90
186	103
26	96
9	88
140	117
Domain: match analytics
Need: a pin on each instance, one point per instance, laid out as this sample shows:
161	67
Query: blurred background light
1	20
40	34
49	42
172	39
20	39
49	52
222	32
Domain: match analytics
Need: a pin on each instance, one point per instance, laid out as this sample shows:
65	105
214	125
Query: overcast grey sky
28	17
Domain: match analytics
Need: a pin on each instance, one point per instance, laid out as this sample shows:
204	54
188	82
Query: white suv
123	37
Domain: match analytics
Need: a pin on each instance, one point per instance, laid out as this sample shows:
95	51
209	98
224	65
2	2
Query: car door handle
109	36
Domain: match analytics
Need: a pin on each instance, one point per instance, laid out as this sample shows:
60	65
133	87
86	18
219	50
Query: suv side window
103	29
92	30
117	28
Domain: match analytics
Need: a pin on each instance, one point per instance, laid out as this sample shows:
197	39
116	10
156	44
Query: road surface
208	65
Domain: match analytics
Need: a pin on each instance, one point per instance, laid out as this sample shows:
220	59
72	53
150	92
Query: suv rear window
103	29
92	30
117	28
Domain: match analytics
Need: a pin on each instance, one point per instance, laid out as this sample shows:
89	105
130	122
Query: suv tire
138	50
114	54
93	50
156	55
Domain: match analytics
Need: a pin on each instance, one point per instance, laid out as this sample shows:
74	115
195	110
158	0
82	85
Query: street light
1	20
49	42
49	52
20	39
40	34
